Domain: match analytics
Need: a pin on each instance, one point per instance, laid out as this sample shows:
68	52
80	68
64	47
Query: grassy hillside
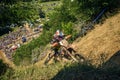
98	46
65	18
103	40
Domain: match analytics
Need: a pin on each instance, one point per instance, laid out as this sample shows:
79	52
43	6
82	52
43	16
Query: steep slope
104	39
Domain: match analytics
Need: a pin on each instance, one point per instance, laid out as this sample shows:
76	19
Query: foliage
41	13
13	1
17	13
35	73
3	67
8	1
47	0
8	75
60	15
4	30
75	11
87	9
23	54
69	29
66	71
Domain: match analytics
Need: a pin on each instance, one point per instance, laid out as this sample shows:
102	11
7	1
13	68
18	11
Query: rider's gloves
61	43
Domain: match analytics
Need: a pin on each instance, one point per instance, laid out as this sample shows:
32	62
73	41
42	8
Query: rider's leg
56	54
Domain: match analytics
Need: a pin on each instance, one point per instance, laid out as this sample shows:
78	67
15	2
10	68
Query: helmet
57	32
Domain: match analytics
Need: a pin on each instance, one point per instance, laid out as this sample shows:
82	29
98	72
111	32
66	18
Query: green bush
21	11
88	9
23	54
3	67
68	29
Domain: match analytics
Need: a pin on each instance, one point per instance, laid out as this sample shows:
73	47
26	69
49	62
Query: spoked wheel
76	56
69	55
80	58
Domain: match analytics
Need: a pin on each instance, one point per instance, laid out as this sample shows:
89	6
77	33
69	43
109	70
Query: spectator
24	39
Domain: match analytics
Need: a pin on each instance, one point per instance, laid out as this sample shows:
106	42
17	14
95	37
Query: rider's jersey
57	37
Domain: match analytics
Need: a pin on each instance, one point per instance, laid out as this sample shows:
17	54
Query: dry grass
104	39
6	60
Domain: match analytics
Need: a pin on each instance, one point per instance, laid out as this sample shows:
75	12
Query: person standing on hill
24	39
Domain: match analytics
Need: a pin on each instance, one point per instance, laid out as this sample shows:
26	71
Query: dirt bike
64	52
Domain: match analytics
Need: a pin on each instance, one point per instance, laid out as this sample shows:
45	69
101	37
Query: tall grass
66	71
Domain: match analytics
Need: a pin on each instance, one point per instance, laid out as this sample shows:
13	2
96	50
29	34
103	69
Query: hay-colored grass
104	39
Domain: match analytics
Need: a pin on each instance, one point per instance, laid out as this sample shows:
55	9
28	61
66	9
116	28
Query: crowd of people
9	40
13	40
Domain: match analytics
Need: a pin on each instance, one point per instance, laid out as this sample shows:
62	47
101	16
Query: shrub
3	67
